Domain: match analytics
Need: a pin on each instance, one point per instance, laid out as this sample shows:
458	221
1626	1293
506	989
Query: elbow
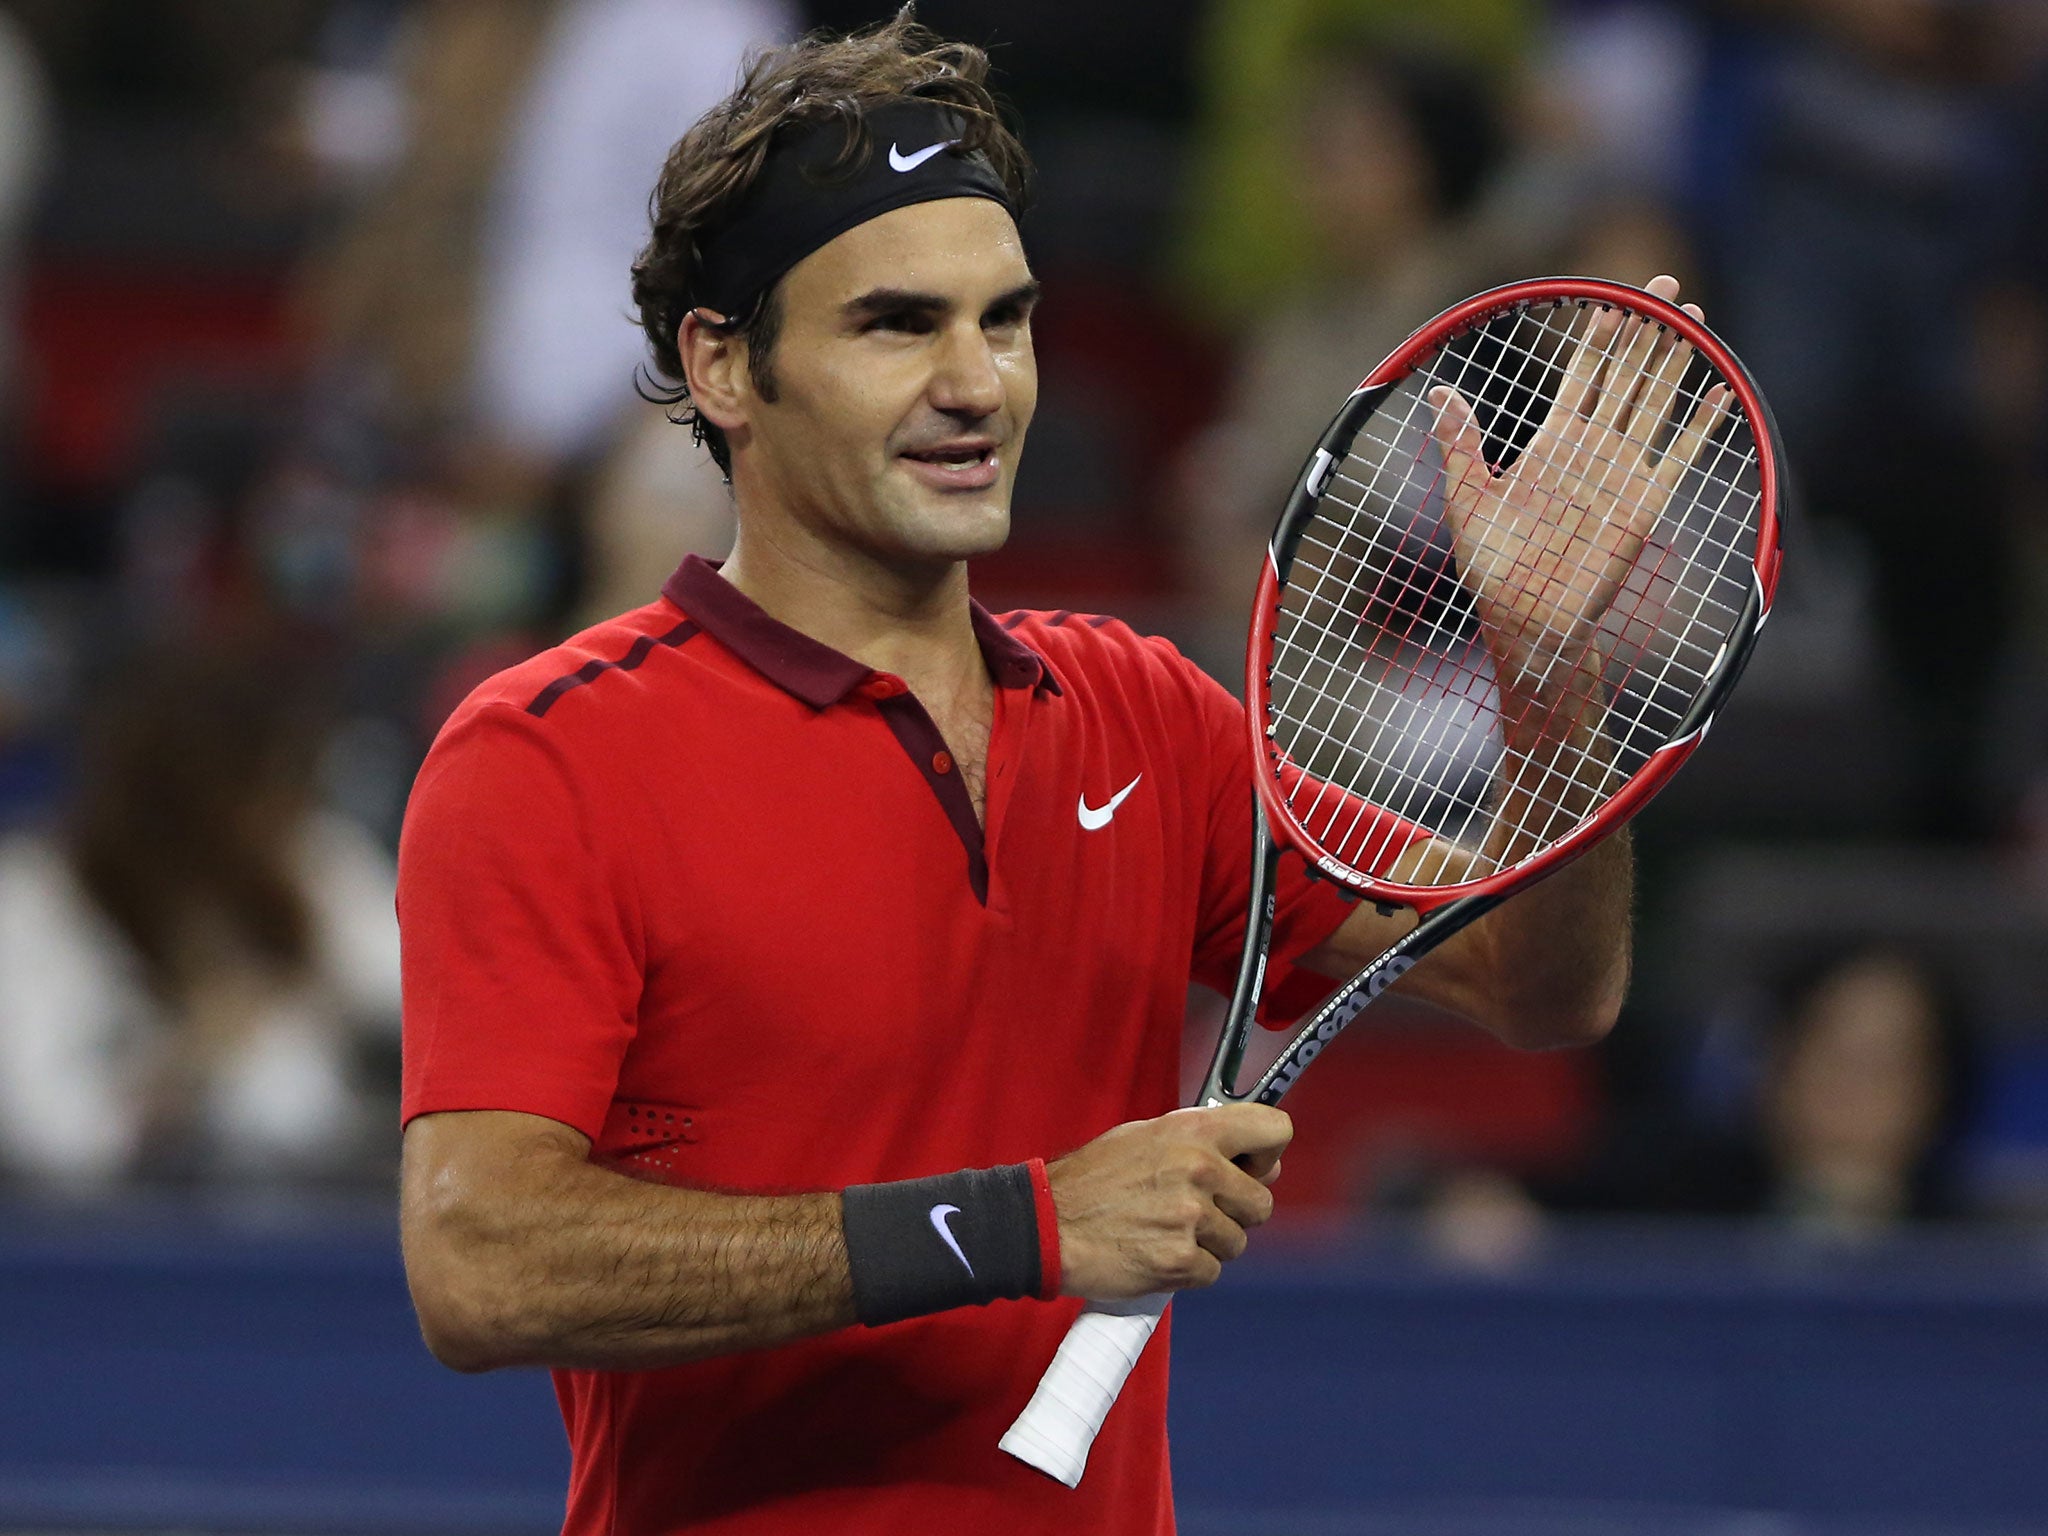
462	1336
1561	1029
468	1312
1549	1022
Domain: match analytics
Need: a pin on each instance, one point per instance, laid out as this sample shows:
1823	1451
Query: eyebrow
883	301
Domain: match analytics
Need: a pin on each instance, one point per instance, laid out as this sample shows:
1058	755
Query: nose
967	383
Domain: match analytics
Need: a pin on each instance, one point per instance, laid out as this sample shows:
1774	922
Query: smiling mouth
966	457
966	465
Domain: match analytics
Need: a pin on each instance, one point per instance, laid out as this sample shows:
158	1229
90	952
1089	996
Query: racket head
1711	561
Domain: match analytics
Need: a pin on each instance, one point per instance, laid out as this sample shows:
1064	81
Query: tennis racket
1514	582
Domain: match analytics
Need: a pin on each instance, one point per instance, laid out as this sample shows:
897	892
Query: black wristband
955	1240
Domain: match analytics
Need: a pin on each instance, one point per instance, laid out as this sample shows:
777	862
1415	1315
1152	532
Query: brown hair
823	78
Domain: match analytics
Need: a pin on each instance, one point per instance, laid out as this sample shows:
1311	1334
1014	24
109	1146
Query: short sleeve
1306	911
518	927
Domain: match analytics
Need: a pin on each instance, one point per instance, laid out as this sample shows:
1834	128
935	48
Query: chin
958	531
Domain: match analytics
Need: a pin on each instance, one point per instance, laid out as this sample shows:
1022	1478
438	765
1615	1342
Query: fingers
1456	430
1561	462
1159	1204
1641	347
1555	534
1244	1198
1608	369
1690	445
1466	473
1630	407
1582	379
1662	391
1263	1166
1241	1130
1239	1200
1220	1237
1645	355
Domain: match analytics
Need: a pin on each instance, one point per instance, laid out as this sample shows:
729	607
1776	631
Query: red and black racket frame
1445	910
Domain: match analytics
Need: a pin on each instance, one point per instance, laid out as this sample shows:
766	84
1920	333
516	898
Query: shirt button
883	685
942	762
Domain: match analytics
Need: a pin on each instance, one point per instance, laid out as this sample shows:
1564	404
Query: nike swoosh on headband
898	161
939	1215
1095	818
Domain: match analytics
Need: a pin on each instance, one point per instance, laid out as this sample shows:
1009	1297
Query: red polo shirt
714	895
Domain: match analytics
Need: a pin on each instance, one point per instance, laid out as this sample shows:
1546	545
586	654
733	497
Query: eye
903	322
1008	314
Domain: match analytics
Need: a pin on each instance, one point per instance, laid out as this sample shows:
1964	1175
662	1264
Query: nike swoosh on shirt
898	161
1095	818
939	1215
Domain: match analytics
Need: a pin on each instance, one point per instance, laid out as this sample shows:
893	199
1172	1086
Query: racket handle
1074	1396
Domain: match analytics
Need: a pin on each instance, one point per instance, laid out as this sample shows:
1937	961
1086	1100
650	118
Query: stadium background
316	407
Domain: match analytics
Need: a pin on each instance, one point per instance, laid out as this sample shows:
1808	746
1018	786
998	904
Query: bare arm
1550	966
1547	968
520	1251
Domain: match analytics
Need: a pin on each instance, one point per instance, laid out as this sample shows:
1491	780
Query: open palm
1545	546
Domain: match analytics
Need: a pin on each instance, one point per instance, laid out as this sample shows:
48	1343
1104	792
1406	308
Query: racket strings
1383	690
1548	780
1580	699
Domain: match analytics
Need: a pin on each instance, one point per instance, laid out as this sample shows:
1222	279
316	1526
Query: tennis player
795	966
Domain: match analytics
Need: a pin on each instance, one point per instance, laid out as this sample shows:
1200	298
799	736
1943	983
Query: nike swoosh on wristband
939	1215
1094	818
898	161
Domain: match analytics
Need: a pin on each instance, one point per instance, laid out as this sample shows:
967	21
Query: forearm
1560	950
1550	965
1555	957
1559	762
555	1261
520	1251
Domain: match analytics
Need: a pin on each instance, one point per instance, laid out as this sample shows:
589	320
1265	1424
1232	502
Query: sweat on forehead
816	185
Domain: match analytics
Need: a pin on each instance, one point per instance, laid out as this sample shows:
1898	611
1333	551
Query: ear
715	368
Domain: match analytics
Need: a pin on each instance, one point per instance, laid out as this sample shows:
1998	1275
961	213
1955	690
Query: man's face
904	382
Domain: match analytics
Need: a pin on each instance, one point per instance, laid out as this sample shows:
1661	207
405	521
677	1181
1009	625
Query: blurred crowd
317	406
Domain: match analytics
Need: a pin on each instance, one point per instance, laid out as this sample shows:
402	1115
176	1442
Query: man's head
836	286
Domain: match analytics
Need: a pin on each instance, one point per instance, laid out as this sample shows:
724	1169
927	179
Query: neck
912	621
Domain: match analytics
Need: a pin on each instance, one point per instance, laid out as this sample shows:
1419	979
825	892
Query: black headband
799	201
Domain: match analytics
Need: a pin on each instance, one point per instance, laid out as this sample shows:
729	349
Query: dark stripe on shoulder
642	649
1058	618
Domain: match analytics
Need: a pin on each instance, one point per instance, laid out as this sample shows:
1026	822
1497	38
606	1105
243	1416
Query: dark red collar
813	671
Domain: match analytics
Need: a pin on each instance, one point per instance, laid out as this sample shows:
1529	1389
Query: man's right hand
1161	1205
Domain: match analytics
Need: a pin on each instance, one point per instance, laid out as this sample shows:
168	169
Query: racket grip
1075	1394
